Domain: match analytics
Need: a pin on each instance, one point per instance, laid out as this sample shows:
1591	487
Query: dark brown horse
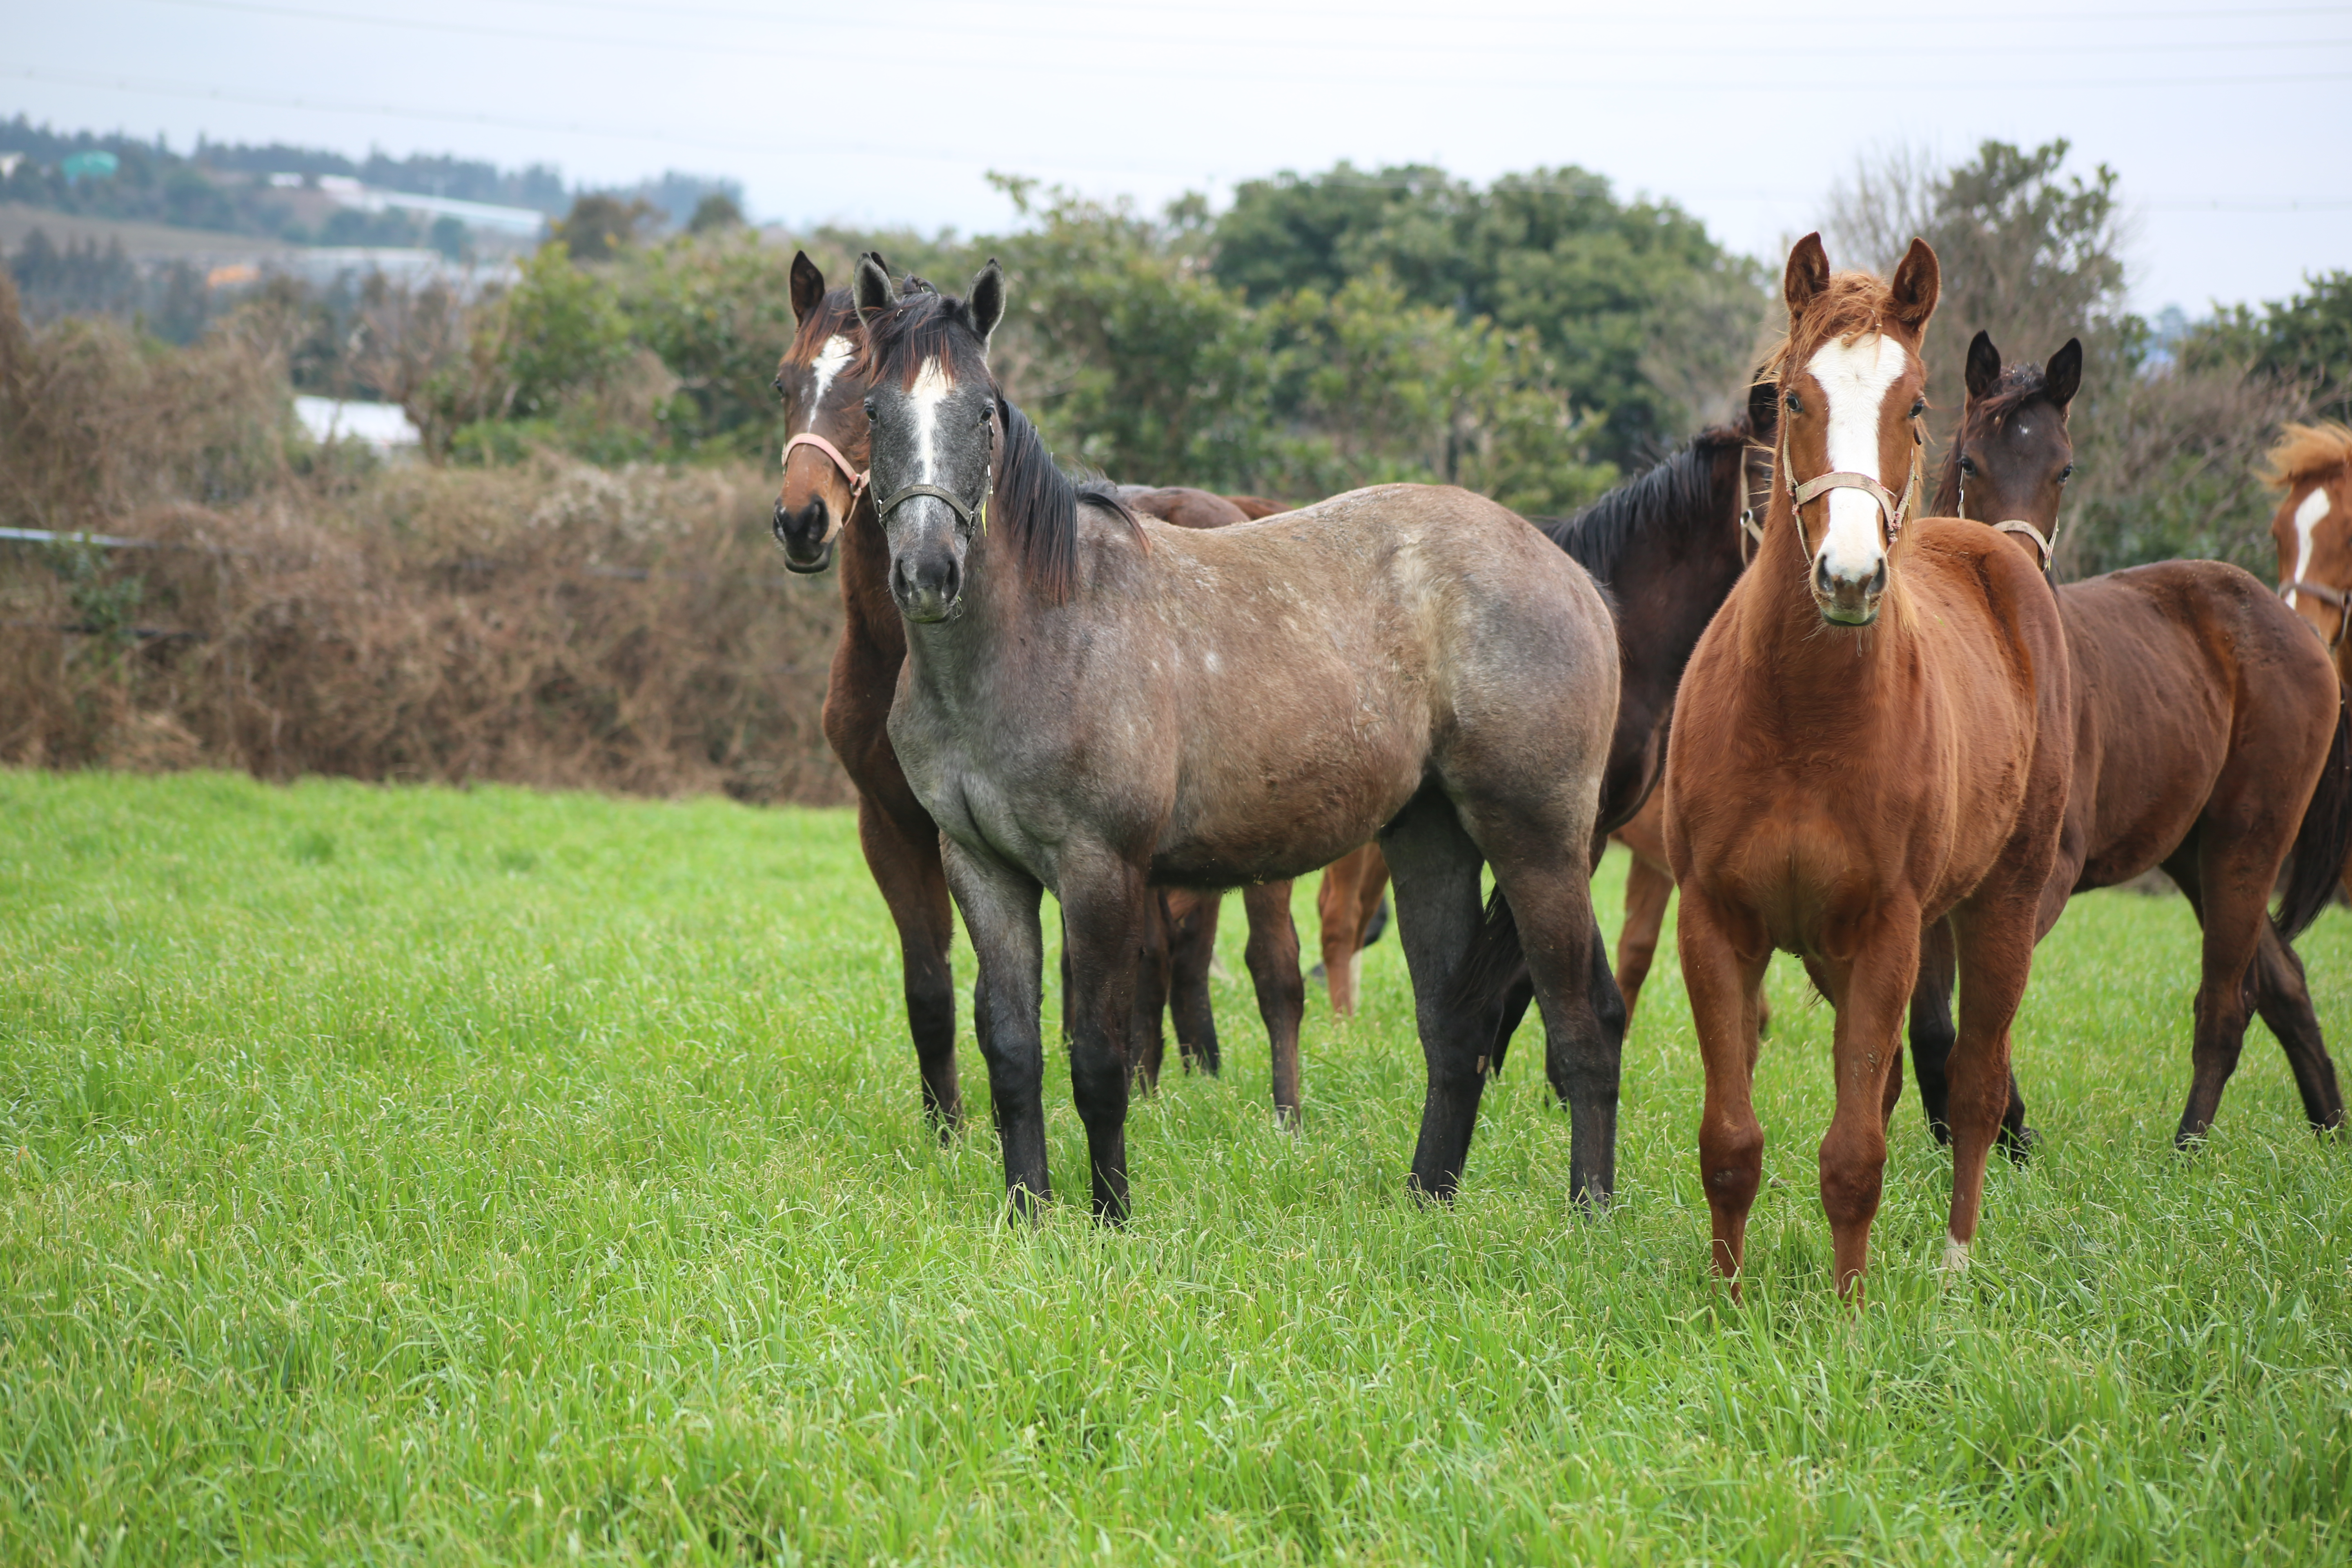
2210	739
1872	737
1101	704
824	506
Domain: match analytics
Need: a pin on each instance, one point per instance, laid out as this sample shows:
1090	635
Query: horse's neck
965	662
1666	596
1796	657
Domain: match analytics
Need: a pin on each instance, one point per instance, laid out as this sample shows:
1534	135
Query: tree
600	227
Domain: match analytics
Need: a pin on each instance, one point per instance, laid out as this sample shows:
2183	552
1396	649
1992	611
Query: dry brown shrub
552	624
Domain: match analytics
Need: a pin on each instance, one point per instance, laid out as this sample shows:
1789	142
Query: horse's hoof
2020	1145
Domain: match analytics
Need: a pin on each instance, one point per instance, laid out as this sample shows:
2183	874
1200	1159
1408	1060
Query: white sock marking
1855	378
2306	518
1956	1255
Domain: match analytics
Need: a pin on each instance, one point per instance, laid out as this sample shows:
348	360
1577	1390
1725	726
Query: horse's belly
1263	820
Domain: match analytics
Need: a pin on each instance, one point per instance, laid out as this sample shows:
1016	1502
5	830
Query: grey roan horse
1097	704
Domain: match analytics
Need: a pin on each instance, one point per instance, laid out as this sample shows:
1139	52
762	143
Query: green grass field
489	1176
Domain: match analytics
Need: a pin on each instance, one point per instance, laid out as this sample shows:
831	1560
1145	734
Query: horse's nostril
1822	574
1878	578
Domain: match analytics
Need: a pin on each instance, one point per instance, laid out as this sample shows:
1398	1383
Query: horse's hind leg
1993	938
2284	999
1195	950
1648	888
1146	1041
999	909
2231	901
1273	957
1339	908
906	867
1435	867
1931	1028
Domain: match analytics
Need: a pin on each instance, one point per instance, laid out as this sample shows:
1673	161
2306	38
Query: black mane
2021	384
1678	494
1034	501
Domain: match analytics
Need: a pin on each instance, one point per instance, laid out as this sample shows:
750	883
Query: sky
2224	121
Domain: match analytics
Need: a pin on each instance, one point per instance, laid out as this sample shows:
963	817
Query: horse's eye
1967	464
869	408
2065	473
1796	405
984	415
779	382
1918	406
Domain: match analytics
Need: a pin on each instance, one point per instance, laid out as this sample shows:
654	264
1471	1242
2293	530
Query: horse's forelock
835	316
2307	451
922	327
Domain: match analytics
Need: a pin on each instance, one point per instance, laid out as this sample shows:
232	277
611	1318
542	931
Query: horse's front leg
999	909
1872	990
1723	955
1103	900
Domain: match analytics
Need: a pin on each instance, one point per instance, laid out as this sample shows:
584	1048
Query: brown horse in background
824	505
2210	739
1873	736
2312	464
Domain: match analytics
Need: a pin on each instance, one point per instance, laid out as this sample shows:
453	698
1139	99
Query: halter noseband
972	517
856	481
2334	598
1891	506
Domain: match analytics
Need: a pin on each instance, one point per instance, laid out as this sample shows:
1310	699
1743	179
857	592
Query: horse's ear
879	262
1763	412
1984	366
1919	278
987	300
1808	275
808	286
2063	378
873	291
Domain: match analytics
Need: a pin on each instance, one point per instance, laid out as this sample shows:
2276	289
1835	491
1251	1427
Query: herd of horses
1844	726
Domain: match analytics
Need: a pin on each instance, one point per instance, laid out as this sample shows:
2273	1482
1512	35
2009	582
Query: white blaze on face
1855	377
825	367
2306	518
931	390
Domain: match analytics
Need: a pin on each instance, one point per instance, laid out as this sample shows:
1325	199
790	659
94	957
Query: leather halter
856	481
973	518
1890	507
2046	544
2334	598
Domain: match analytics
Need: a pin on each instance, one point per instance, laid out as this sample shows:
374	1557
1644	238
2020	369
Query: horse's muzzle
930	590
807	535
1847	600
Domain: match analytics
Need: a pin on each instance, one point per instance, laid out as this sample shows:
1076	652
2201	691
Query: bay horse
1098	704
825	505
2210	739
1872	735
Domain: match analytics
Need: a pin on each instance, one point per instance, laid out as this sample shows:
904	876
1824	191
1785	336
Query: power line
675	45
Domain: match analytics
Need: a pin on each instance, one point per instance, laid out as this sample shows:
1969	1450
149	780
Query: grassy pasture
409	1174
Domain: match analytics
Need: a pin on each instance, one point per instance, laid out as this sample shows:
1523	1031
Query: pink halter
856	481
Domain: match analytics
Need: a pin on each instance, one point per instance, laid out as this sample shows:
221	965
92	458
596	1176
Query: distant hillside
274	190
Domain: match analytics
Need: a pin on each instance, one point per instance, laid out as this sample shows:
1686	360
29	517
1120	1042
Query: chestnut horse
2312	464
1101	704
825	504
2210	739
1872	736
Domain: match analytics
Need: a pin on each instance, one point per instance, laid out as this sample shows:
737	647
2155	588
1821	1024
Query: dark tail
1497	962
2315	866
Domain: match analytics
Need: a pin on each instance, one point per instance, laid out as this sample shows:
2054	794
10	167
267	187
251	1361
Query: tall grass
408	1174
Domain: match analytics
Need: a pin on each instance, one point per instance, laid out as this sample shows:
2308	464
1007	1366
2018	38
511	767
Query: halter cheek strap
856	481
